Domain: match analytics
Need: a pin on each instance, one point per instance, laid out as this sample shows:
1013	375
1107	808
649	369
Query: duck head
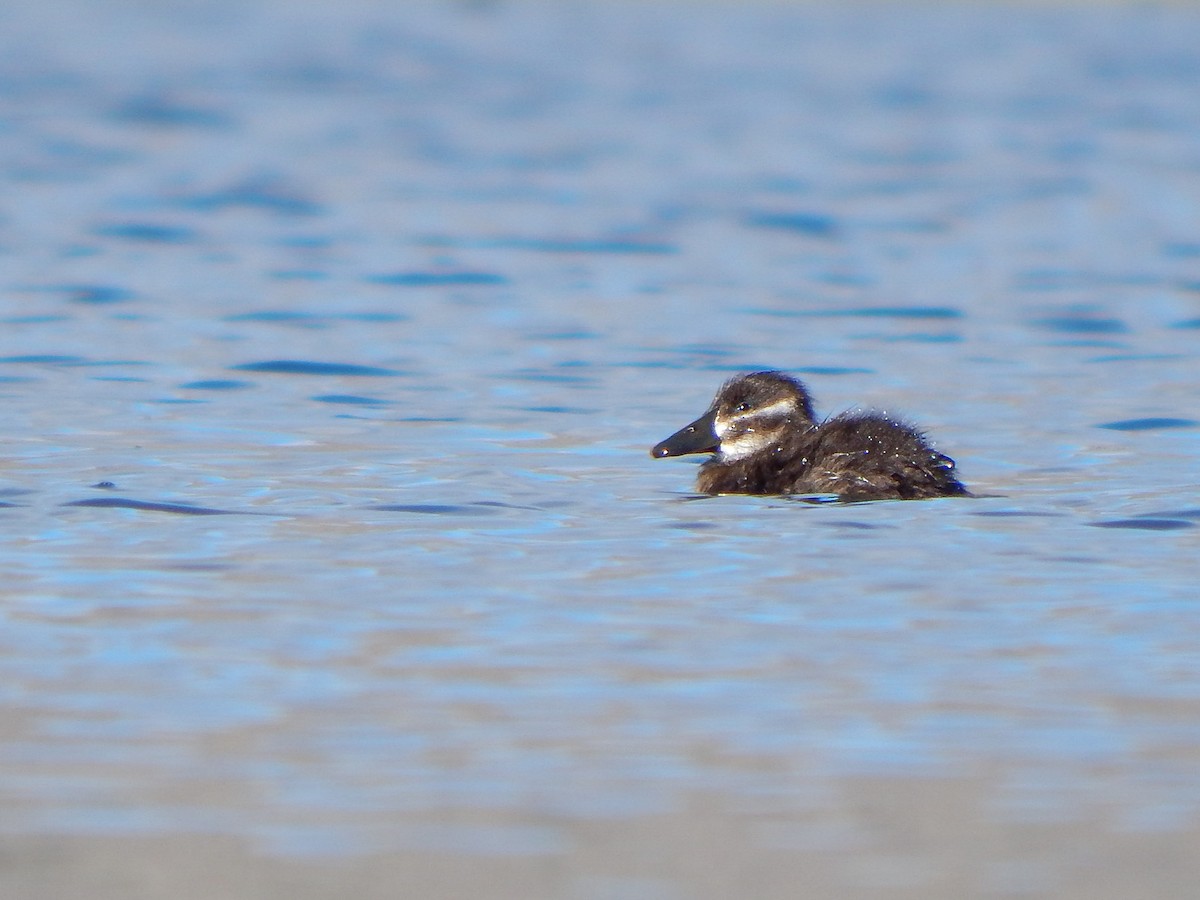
749	413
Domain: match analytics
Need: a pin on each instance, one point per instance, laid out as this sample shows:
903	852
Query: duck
765	439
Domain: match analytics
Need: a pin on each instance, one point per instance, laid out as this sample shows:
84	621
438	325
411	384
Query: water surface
332	345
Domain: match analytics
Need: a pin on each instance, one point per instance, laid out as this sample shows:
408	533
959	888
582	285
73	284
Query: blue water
333	341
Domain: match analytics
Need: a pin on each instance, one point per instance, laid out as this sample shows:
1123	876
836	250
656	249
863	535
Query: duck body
764	440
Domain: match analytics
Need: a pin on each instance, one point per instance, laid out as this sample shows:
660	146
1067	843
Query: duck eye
741	407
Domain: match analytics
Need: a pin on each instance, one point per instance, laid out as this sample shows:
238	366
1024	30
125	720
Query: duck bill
699	437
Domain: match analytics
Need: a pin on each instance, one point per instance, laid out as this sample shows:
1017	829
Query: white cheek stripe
779	407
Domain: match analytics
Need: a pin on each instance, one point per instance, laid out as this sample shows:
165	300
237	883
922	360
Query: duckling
765	440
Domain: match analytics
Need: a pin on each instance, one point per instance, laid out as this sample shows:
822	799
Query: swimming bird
765	440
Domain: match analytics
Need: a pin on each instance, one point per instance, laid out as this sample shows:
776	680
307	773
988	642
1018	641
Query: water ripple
182	509
308	367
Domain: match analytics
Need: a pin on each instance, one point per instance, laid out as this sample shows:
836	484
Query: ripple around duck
47	359
350	400
1149	424
163	112
551	377
815	225
217	384
310	367
1175	514
91	294
918	337
559	410
866	312
266	195
604	246
437	279
314	320
147	232
1145	524
434	509
1017	514
1080	324
183	509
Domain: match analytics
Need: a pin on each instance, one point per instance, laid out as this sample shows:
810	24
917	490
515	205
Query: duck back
857	456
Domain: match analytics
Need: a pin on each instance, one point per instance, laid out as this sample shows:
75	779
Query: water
334	340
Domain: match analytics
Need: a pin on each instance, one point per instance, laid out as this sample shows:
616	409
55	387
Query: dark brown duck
764	440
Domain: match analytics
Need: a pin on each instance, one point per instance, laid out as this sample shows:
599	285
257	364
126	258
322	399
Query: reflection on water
333	344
